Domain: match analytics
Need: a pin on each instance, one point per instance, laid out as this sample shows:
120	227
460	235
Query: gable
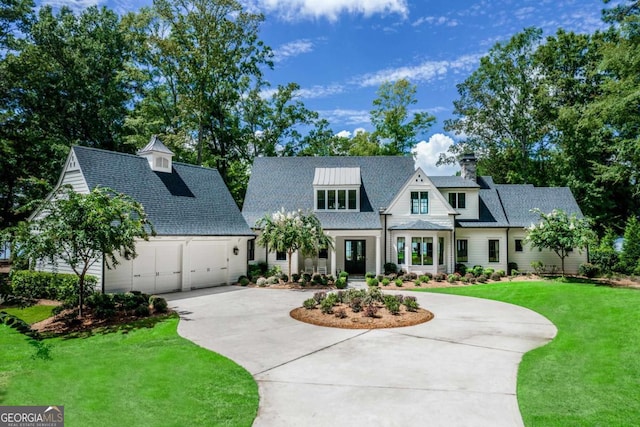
421	183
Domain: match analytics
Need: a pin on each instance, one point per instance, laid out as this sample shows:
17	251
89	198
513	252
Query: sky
341	51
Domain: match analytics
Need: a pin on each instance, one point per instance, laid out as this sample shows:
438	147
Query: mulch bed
383	318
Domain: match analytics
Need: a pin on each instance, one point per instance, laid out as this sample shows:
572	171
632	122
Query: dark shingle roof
453	182
192	200
491	212
287	182
519	200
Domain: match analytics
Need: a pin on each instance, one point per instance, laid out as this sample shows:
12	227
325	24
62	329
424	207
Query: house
201	235
383	209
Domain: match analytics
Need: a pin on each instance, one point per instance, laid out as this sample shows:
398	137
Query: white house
202	237
383	209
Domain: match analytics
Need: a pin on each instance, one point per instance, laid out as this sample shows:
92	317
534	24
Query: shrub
319	296
411	276
341	313
103	305
345	275
390	268
379	277
306	277
369	275
512	266
273	280
440	277
284	278
373	295
464	279
341	283
316	279
273	271
501	273
142	310
370	310
385	282
330	278
488	271
372	281
461	269
496	276
398	282
254	271
341	296
326	306
477	270
588	270
262	282
482	278
56	286
538	267
410	303
423	279
310	303
244	281
469	276
159	304
355	304
295	277
392	305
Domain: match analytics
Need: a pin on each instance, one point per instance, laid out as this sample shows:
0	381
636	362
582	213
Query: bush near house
55	286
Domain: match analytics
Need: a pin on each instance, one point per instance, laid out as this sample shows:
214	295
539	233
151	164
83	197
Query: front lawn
145	377
590	373
32	314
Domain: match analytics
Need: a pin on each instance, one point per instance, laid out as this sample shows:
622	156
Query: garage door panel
168	268
208	264
144	269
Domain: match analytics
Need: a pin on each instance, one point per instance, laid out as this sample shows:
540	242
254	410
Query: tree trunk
290	254
81	297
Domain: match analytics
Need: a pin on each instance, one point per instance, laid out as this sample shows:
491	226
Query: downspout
508	272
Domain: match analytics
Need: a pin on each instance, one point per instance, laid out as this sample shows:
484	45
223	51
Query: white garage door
157	268
208	264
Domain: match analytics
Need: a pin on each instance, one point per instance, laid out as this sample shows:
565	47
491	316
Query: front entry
355	261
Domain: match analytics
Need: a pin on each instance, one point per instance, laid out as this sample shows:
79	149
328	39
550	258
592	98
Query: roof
420	225
155	145
453	182
337	176
191	200
519	200
381	179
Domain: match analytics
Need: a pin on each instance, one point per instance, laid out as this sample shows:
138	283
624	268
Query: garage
208	264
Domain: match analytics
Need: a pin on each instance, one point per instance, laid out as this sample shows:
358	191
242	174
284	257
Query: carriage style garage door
208	263
158	268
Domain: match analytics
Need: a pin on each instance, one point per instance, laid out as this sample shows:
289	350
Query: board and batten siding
478	246
530	254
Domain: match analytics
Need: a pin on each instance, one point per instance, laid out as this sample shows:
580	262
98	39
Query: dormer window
419	202
158	155
458	200
337	189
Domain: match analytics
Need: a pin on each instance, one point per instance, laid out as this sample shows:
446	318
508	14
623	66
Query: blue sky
340	51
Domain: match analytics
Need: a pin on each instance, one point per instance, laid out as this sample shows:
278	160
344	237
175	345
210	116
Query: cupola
157	154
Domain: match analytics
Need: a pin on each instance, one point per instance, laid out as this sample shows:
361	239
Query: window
162	162
337	199
440	250
462	250
419	202
321	197
518	245
281	256
494	250
400	247
323	253
421	251
251	250
458	200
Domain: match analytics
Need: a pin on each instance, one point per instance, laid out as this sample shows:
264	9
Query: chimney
468	163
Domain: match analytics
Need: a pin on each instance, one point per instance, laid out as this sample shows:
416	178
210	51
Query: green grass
32	314
144	377
589	375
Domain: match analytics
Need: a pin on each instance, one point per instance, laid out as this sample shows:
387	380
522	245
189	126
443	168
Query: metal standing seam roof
155	145
420	225
337	176
191	200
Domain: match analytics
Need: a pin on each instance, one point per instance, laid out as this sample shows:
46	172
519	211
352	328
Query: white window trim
336	189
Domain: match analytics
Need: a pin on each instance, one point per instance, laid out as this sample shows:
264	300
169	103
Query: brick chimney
468	163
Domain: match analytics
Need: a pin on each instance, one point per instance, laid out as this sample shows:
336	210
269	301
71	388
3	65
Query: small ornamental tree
82	229
559	233
292	231
631	246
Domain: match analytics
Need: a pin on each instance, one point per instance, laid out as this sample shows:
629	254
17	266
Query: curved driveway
457	370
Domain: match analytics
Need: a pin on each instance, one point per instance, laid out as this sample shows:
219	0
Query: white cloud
344	134
349	117
427	154
75	5
425	72
295	10
319	91
436	21
291	49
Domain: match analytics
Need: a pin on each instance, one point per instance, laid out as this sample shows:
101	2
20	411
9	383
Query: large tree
394	123
82	229
500	112
292	231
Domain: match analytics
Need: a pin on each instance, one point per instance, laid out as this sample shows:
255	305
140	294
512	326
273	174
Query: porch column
378	254
332	252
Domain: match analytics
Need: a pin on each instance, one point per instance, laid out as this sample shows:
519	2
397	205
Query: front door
355	261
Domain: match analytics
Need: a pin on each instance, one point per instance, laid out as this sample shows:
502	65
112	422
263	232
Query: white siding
472	209
549	258
478	246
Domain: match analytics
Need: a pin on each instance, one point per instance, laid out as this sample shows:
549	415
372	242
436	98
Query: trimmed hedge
55	286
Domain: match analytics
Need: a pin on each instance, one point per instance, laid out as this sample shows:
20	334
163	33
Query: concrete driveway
457	370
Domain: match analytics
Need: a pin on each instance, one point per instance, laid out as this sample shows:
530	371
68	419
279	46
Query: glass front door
355	261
